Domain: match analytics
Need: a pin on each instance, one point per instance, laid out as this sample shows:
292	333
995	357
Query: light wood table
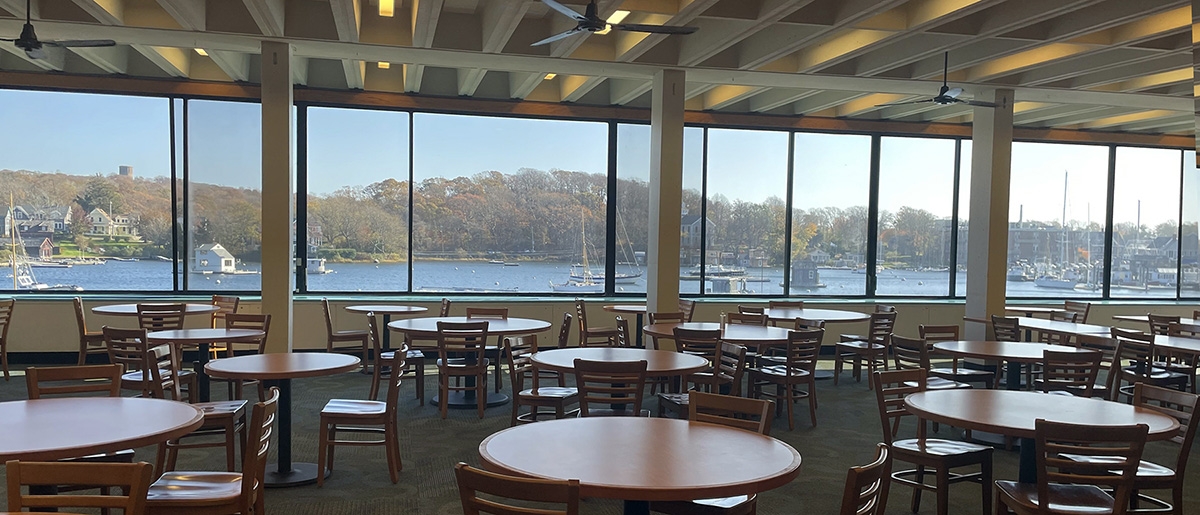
1012	353
637	310
126	310
279	369
830	316
1014	413
202	338
53	429
1068	328
639	459
1031	311
1178	343
386	310
659	363
1143	319
741	334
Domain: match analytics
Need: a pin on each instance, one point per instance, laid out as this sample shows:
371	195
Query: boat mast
1064	220
587	270
12	232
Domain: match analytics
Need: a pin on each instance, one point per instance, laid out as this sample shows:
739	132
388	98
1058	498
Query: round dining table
641	459
126	310
278	369
386	310
741	334
637	310
1012	353
658	362
1013	413
202	338
69	427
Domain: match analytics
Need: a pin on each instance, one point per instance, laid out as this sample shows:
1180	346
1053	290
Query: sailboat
22	267
579	271
1058	277
586	283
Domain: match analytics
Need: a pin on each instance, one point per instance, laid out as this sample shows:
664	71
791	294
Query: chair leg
916	497
943	491
375	377
812	402
230	447
82	352
789	397
392	442
419	364
985	477
323	449
837	366
481	392
4	358
443	392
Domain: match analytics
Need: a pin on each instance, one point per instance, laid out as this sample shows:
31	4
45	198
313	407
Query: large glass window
1189	252
508	205
1056	219
1145	249
89	181
747	173
357	200
916	201
831	188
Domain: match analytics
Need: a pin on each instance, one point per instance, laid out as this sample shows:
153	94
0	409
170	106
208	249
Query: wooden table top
1178	343
642	458
1032	310
1013	413
204	335
1024	352
508	326
735	333
1146	320
1041	324
131	309
53	429
386	309
635	309
658	362
830	316
282	365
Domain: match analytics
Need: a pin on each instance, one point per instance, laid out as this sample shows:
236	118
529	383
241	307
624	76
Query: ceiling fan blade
560	35
564	9
81	43
926	101
953	92
36	53
978	103
654	29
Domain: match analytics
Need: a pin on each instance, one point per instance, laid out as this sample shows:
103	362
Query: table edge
224	374
672	372
143	441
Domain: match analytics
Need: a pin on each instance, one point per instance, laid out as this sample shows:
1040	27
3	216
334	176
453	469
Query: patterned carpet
848	431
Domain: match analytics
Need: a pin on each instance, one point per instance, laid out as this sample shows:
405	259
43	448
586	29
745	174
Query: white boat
1019	273
22	269
1047	281
316	266
578	272
586	283
717	271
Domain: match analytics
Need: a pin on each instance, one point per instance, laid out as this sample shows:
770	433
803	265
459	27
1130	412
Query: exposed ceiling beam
499	21
347	20
268	15
55	60
424	17
1139	116
190	14
114	59
17	8
173	61
235	64
1034	117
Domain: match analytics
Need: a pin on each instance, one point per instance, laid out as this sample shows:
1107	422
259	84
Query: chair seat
1146	469
222	408
350	333
608	412
939	383
859	346
459	363
937	447
950	373
737	505
353	407
779	371
1158	374
414	354
1069	499
549	392
137	376
675	398
195	488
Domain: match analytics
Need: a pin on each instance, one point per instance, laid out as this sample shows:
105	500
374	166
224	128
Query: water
529	277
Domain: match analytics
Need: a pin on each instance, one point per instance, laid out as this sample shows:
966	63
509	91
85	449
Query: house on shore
213	258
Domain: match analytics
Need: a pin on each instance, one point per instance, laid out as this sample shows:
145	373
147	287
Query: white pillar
666	188
987	237
278	197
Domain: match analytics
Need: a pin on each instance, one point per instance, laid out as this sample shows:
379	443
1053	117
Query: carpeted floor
430	446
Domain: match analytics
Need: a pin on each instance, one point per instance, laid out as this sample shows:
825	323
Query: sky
88	134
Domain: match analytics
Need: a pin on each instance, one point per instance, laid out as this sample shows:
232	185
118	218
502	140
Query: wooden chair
472	481
870	348
1140	356
493	354
226	304
750	310
1054	337
1180	362
948	333
81	379
349	341
725	377
520	368
421	346
461	348
6	310
148	371
1080	308
789	304
798	370
727	410
220	493
664	318
90	342
688	307
867	486
133	479
1160	323
746	318
614	383
161	317
622	338
413	360
885	308
365	417
564	331
592	336
1073	373
1065	486
253	345
1006	329
913	354
927	453
701	342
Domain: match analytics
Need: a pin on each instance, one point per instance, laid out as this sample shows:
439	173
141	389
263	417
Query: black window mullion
873	217
954	218
1106	281
301	234
180	257
787	219
610	215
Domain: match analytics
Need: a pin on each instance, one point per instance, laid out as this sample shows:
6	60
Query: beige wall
48	325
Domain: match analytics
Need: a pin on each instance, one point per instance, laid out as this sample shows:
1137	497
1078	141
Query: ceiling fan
592	22
947	95
33	48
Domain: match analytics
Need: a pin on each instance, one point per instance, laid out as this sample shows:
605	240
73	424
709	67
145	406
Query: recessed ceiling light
551	76
617	17
387	8
383	65
202	52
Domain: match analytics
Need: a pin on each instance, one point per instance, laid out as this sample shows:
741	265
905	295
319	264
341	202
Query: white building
213	258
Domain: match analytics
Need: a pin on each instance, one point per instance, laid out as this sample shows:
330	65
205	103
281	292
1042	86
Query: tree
100	193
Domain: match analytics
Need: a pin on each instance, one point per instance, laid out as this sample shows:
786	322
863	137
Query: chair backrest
882	324
698	341
1183	406
258	445
622	338
610	382
667	318
518	349
938	333
1071	371
802	351
1054	337
1196	315
750	310
254	321
83	379
730	410
1160	323
226	304
746	318
161	317
885	308
1136	352
891	387
793	304
804	323
866	486
543	491
80	319
1079	307
688	307
445	310
1119	446
1006	329
728	366
328	317
581	314
1064	316
6	312
489	313
373	334
909	353
1184	330
132	478
466	340
1131	334
564	331
128	348
396	367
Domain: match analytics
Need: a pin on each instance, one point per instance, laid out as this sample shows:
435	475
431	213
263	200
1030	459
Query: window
1189	252
1056	220
1145	259
357	200
89	178
508	205
916	192
831	187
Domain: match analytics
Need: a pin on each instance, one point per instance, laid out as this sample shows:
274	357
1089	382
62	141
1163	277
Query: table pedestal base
637	508
993	439
823	374
466	400
301	474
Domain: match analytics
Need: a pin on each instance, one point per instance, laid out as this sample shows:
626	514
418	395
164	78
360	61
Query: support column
278	198
666	191
987	236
